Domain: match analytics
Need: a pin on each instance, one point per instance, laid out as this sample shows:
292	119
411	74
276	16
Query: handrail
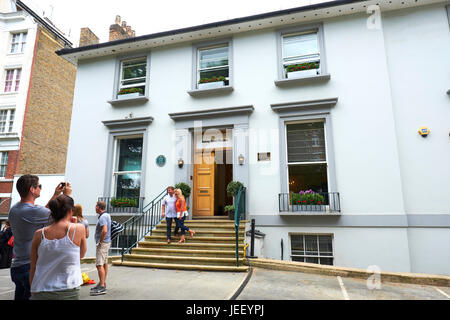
238	212
137	227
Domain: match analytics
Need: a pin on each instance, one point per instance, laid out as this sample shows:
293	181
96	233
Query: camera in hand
63	184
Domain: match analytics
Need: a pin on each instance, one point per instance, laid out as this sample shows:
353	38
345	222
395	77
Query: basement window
312	248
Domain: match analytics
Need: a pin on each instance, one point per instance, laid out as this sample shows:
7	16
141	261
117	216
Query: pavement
126	283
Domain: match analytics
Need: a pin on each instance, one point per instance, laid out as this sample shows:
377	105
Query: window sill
309	213
211	91
128	101
9	93
303	80
9	135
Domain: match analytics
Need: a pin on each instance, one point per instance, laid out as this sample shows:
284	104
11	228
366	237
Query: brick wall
87	37
120	30
49	109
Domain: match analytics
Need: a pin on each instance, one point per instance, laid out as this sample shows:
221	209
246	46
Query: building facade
316	110
36	93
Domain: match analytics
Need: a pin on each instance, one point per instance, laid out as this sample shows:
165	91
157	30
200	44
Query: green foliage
233	188
212	79
302	66
130	90
308	197
185	189
229	208
124	202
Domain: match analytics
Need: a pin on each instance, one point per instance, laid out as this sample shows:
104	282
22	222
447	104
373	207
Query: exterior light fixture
241	159
180	163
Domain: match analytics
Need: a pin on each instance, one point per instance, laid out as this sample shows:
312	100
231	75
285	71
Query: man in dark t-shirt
25	218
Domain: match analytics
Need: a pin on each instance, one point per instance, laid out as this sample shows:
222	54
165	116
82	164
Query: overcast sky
149	16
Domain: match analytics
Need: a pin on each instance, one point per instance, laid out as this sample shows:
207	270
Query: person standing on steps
103	241
169	210
182	213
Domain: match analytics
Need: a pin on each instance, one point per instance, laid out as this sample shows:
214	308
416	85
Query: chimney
120	30
87	37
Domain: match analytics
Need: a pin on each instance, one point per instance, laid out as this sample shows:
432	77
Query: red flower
304	201
299	201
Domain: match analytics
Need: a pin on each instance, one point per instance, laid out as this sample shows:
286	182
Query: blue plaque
161	160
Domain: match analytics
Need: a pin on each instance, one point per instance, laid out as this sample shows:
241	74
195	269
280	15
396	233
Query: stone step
182	260
182	252
189	245
203	233
241	268
201	226
195	239
212	221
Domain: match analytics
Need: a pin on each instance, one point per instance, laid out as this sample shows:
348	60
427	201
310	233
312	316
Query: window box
302	73
211	85
129	96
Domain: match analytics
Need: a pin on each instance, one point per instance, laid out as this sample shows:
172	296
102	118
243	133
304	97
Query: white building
347	130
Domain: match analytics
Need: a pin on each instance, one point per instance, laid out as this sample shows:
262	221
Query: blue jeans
180	225
169	226
21	277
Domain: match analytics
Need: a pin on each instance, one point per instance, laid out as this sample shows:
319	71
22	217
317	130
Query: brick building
36	93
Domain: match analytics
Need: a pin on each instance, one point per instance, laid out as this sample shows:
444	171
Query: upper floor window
6	120
18	42
3	163
301	54
213	69
133	76
12	80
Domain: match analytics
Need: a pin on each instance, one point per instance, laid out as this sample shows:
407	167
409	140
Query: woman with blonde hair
78	213
182	213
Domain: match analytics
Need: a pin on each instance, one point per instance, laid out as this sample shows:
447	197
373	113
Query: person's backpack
116	228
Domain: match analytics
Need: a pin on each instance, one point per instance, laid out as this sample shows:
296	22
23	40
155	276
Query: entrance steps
212	248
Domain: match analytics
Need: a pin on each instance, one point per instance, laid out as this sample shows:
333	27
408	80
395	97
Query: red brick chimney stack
120	30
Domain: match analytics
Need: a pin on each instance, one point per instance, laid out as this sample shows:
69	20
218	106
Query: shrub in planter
307	197
185	189
130	90
124	202
230	211
233	188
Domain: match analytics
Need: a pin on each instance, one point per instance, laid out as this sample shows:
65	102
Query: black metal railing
127	205
239	213
326	202
137	227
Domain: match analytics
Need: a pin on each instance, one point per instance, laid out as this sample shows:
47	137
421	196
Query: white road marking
442	292
344	292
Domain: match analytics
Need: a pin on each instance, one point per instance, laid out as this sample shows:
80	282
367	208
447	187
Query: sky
149	16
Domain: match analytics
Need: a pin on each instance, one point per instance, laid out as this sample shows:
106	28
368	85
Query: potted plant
232	190
229	210
185	190
307	200
127	93
213	82
302	70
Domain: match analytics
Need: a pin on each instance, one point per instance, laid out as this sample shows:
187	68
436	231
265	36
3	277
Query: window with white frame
312	248
301	53
128	166
12	80
213	65
133	76
3	163
18	42
306	156
6	120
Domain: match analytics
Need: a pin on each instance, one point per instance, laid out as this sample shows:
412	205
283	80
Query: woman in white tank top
56	250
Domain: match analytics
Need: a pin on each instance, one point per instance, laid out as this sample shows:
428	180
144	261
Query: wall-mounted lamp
424	131
241	159
180	163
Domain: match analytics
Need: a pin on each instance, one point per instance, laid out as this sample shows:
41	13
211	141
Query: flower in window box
130	90
212	79
305	197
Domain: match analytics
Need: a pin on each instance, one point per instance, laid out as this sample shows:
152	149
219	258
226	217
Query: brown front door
204	184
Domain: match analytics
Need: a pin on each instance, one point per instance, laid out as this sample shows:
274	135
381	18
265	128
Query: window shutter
306	142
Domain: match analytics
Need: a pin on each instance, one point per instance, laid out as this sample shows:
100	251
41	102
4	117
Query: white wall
418	51
49	183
